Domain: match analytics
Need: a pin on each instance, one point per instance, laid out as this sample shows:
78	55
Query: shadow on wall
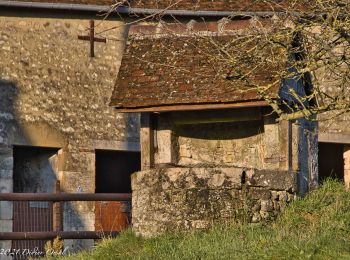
8	123
35	169
132	127
221	131
31	169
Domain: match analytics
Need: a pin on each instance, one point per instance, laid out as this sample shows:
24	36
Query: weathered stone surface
346	156
6	225
188	178
6	209
6	245
171	199
259	193
238	144
6	163
274	180
5	174
6	185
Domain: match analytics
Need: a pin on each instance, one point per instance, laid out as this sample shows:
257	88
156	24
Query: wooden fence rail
55	197
47	235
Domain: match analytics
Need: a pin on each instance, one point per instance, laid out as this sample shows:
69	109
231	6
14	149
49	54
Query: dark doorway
330	161
35	170
113	170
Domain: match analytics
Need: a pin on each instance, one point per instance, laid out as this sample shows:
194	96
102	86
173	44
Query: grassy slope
317	227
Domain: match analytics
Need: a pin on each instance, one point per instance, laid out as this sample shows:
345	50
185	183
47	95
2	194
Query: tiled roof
215	5
167	69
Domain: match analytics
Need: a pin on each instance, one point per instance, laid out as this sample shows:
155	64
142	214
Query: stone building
211	149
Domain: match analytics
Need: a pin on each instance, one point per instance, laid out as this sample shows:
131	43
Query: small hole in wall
243	178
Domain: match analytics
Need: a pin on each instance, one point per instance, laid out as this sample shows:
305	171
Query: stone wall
238	144
178	199
249	140
245	166
54	95
49	80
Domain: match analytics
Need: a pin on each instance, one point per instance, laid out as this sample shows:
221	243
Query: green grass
316	227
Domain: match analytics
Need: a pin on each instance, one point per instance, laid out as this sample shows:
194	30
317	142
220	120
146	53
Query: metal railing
43	212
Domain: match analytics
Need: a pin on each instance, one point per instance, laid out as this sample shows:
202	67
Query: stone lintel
116	145
338	138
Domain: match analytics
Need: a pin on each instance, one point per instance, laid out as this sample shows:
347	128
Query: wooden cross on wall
91	37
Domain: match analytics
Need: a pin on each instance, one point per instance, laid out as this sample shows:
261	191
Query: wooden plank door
112	216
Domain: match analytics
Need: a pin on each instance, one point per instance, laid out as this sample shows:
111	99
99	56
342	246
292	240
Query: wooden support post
57	210
147	141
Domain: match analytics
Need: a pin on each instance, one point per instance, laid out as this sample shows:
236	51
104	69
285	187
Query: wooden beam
46	235
147	141
189	107
65	197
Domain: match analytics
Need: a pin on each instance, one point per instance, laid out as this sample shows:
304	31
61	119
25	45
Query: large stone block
5	225
188	178
6	245
6	162
6	174
6	185
6	210
274	180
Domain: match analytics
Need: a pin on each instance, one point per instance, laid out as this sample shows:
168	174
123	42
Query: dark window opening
35	169
113	170
330	161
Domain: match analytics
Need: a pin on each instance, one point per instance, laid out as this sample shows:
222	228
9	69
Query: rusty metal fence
41	217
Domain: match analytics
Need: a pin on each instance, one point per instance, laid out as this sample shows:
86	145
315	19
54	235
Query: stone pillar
346	156
305	154
6	185
166	146
77	173
271	143
312	136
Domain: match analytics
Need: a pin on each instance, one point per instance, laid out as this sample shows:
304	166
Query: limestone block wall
178	199
259	143
234	144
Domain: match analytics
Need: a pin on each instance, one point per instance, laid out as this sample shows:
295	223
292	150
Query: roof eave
125	10
190	107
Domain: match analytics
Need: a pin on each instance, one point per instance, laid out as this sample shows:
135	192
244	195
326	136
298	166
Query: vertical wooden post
92	40
56	209
146	141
